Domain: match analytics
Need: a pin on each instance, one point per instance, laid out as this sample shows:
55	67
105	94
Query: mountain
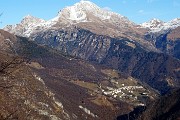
70	88
88	16
84	11
156	25
164	36
25	28
121	54
116	42
91	63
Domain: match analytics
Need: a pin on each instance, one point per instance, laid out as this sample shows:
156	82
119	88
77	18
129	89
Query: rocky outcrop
76	42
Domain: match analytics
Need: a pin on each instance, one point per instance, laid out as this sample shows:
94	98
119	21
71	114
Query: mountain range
87	15
89	60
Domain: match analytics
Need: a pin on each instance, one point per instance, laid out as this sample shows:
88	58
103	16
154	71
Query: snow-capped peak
84	10
26	26
156	25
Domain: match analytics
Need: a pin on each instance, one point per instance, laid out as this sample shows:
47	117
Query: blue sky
136	10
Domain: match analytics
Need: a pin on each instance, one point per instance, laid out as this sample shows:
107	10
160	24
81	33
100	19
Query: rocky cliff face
166	41
173	46
123	54
76	42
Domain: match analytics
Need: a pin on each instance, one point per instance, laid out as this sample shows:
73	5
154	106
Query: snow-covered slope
156	25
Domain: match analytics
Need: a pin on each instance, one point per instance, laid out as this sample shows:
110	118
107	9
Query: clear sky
136	10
